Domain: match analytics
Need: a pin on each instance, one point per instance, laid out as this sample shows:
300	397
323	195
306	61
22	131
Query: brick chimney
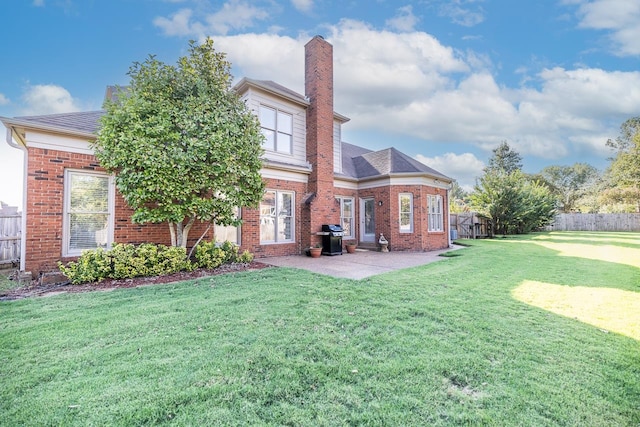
319	91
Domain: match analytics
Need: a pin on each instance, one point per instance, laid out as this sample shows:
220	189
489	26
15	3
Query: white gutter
449	215
23	220
28	124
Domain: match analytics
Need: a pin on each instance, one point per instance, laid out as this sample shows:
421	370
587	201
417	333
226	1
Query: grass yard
539	330
5	283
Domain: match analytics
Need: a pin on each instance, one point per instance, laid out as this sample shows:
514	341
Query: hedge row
125	261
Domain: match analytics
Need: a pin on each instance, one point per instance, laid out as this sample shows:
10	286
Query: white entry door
367	220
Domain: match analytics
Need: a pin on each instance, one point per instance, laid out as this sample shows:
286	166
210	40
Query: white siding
337	147
255	98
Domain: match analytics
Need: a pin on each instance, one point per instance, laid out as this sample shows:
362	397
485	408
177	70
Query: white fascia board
284	173
408	179
58	142
346	184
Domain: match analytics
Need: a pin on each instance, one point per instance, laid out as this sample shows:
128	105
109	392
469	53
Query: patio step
368	247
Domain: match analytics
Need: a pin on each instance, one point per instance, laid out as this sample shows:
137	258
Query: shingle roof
84	121
358	162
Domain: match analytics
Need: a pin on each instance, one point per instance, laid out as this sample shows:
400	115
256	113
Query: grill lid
334	228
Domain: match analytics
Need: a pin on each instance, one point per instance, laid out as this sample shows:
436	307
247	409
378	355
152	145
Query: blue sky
443	81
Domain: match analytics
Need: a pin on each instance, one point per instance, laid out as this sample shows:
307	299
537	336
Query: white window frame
410	213
273	216
224	230
279	146
66	210
342	200
435	216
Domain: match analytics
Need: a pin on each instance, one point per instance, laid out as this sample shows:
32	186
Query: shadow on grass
592	278
592	239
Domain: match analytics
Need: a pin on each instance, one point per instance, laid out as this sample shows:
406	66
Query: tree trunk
172	230
180	232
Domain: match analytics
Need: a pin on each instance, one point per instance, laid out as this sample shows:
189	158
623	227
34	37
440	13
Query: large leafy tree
504	159
182	143
458	198
623	174
570	183
513	202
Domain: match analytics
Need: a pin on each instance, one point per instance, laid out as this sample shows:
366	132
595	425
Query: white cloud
38	3
252	56
620	17
461	13
411	84
233	15
303	5
4	100
404	21
465	167
48	99
178	25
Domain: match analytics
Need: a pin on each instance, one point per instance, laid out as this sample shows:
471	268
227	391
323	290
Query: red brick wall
387	217
250	232
319	90
44	210
437	239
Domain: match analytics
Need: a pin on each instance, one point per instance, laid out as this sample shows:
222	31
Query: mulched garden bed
37	289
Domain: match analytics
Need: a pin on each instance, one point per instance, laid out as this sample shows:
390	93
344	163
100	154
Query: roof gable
360	163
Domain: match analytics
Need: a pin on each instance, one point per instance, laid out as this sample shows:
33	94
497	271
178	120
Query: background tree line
517	202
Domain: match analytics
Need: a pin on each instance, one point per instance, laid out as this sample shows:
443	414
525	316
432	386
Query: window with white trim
434	206
277	218
228	233
406	212
87	212
347	216
277	128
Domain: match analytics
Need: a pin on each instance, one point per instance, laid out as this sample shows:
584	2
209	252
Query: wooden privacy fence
595	222
469	225
10	224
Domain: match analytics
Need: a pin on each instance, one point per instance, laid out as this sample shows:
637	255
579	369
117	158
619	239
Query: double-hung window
406	212
435	213
228	233
277	128
277	218
347	216
87	212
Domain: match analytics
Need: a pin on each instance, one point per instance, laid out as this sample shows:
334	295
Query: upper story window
277	128
435	213
406	212
88	211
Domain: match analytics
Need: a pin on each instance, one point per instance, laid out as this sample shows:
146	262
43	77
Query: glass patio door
367	220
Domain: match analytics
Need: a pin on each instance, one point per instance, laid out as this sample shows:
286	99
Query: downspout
23	220
449	215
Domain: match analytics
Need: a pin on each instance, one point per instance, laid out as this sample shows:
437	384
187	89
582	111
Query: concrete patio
359	265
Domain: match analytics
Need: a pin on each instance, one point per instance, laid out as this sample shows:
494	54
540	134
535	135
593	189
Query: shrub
92	266
246	257
212	255
125	261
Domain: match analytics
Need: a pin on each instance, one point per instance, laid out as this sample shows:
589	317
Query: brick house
312	178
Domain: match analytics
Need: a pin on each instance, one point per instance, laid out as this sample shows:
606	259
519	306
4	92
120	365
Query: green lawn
5	282
530	331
